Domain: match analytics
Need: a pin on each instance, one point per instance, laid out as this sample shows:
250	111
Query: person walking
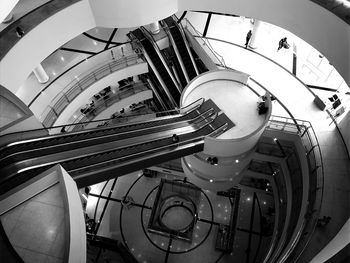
175	138
248	37
19	32
283	43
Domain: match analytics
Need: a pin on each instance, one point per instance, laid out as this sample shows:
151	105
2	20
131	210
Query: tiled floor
130	225
36	228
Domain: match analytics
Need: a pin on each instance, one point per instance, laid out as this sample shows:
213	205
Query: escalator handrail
181	143
31	166
200	117
19	139
176	50
181	30
153	42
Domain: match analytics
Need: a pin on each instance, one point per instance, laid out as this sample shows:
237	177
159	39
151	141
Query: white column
255	34
155	28
136	78
41	74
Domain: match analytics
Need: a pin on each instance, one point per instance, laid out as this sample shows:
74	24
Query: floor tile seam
49	204
37	252
53	243
9	236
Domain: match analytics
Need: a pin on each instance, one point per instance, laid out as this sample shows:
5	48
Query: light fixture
62	58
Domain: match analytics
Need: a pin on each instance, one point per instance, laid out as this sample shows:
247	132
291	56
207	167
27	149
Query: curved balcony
8	36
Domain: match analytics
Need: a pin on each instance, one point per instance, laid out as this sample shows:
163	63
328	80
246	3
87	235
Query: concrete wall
344	127
41	41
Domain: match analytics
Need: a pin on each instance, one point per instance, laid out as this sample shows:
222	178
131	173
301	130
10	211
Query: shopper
283	44
175	138
19	32
247	39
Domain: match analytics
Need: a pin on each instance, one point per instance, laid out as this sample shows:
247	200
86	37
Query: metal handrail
313	153
75	87
10	138
185	22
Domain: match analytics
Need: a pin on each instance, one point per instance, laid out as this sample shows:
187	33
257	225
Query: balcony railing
75	87
105	103
216	57
316	179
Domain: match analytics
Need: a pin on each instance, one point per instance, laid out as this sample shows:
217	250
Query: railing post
305	131
65	95
315	169
313	147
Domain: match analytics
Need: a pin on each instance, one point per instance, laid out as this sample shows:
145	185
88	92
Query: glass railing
316	179
81	83
8	36
108	101
205	43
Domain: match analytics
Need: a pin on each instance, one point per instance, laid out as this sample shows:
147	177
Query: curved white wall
317	26
6	8
131	13
41	41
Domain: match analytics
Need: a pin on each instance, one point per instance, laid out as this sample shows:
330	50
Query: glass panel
9	112
198	20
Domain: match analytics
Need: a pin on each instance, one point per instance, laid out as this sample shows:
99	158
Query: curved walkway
299	100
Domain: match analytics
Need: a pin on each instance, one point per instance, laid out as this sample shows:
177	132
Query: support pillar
136	78
255	34
41	74
155	28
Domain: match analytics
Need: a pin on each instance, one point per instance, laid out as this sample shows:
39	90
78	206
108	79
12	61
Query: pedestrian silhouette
248	37
322	222
283	43
175	138
19	32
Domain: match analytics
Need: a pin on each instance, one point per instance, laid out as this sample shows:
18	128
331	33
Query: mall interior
175	131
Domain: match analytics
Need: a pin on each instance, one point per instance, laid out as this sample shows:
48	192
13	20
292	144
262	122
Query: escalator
180	43
97	155
154	59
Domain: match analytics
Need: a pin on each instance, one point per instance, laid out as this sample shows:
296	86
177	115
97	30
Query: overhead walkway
158	65
181	47
97	155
